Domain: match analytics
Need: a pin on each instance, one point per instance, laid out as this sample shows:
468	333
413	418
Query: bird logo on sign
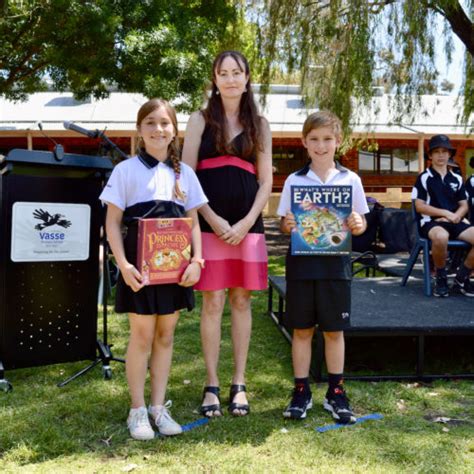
50	220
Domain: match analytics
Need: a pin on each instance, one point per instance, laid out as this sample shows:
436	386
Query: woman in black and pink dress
229	146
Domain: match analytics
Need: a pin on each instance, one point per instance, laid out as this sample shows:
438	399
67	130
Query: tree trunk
462	26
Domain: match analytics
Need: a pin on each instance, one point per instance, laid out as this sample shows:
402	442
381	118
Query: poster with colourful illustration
321	214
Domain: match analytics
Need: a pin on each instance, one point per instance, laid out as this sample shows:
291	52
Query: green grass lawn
81	427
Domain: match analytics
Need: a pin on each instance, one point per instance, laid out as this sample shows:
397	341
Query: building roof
285	111
436	114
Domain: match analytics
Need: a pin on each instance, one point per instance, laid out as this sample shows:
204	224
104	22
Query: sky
454	72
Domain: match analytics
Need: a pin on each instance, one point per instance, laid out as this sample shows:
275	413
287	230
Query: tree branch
26	28
14	73
377	6
460	23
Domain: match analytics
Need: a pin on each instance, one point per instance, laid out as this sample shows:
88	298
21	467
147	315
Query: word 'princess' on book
157	238
324	195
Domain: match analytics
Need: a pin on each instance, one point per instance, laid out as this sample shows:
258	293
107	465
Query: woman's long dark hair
214	114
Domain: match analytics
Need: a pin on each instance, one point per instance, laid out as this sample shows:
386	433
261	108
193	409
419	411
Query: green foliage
72	41
170	51
242	35
345	47
157	47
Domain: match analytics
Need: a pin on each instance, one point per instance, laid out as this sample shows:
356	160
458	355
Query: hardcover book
164	249
321	214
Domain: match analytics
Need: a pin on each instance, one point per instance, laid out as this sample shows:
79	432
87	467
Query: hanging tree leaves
343	48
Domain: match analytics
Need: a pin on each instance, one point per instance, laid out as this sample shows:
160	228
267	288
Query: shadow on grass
41	421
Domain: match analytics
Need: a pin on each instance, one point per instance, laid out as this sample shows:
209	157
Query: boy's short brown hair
322	118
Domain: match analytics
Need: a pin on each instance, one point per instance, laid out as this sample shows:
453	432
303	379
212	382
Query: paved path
277	242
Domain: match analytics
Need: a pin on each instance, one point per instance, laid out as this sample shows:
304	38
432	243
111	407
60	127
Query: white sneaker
161	418
139	424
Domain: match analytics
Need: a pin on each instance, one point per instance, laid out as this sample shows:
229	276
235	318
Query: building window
367	162
388	161
287	159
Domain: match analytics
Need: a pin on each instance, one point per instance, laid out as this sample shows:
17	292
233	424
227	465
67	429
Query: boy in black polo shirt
440	199
319	287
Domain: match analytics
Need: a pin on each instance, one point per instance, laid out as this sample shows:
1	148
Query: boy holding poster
321	205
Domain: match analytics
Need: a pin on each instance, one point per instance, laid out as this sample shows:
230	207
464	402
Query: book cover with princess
164	249
321	214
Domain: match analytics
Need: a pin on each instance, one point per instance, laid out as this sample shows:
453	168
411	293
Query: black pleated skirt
153	299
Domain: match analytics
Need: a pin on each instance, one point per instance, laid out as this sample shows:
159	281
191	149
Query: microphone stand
110	145
105	355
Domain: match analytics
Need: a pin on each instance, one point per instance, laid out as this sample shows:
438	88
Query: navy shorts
322	303
453	229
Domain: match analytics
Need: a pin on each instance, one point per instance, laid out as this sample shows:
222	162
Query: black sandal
234	390
211	408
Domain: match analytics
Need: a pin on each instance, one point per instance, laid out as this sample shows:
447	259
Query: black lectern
50	220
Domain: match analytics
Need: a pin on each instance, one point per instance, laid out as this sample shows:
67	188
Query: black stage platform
381	307
393	264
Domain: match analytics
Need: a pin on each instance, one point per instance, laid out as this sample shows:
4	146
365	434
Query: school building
388	158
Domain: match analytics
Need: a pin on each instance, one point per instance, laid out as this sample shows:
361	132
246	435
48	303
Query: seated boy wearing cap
440	199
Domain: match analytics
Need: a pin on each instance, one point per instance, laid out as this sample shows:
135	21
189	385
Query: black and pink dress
230	183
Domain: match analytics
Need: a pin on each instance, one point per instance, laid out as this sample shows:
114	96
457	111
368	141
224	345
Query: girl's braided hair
173	148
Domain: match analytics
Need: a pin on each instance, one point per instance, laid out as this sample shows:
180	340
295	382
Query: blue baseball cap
441	141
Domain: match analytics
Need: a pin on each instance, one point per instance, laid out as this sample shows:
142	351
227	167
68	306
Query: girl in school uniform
154	183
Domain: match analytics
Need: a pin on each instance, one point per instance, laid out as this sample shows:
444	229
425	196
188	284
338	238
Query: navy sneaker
441	288
337	403
301	402
466	287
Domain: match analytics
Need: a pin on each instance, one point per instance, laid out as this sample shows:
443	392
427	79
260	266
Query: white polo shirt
339	176
317	267
142	179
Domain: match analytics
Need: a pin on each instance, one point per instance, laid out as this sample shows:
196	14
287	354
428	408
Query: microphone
89	133
58	148
106	141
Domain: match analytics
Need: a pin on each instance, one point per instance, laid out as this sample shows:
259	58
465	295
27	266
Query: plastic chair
424	245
